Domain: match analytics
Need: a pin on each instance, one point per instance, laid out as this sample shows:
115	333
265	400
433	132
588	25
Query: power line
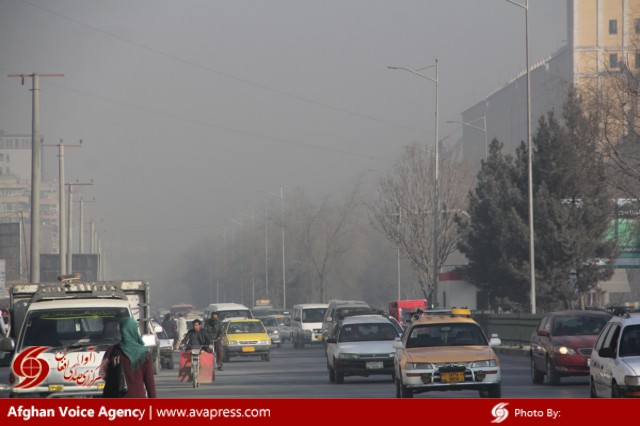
224	74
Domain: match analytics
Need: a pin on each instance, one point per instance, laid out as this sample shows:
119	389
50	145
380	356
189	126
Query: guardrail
513	329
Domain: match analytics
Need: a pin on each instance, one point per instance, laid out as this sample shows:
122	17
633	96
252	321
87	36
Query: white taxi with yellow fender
246	337
446	352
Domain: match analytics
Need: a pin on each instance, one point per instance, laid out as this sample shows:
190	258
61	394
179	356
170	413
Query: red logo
31	368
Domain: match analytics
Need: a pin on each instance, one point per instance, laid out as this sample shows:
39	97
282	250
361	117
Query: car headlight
233	343
349	356
632	380
564	350
274	332
484	363
263	342
392	355
419	366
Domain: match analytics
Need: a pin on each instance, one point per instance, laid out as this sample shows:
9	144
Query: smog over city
198	116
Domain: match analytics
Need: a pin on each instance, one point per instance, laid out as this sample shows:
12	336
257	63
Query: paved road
302	373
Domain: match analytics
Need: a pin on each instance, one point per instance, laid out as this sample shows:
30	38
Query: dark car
562	343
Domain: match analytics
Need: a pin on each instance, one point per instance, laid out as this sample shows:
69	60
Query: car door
604	367
539	343
332	348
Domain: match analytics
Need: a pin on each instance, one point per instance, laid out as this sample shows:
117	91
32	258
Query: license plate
454	377
374	365
248	349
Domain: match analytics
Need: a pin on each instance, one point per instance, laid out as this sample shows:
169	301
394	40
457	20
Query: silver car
614	367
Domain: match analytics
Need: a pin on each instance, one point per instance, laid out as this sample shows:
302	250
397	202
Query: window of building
613	60
613	26
637	25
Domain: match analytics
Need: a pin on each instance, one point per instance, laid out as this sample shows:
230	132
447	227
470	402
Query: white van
335	310
227	310
306	323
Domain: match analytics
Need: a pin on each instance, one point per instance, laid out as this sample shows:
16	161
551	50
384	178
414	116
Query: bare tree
404	208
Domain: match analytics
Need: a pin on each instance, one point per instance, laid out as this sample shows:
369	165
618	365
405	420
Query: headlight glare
564	350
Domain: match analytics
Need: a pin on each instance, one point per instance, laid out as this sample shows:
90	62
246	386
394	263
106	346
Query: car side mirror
7	344
542	332
495	340
329	319
397	344
150	339
606	353
157	329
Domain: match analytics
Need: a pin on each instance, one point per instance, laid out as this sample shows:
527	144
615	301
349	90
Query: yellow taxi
246	337
446	352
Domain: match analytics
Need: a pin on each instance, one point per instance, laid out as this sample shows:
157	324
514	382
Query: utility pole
62	214
36	161
70	225
81	233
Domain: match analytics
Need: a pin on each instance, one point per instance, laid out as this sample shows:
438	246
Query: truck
60	332
402	310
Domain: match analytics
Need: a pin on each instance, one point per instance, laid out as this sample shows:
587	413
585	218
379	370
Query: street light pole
482	129
241	261
435	261
284	280
532	259
253	272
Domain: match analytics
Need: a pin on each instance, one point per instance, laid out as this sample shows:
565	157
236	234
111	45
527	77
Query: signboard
625	228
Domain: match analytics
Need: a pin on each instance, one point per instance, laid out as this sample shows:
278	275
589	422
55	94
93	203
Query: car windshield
313	314
269	322
73	327
245	327
454	334
579	325
367	332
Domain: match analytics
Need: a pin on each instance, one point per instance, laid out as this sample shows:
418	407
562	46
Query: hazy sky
188	108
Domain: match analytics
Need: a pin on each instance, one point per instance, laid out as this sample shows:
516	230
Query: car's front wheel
402	391
592	389
338	377
553	378
537	377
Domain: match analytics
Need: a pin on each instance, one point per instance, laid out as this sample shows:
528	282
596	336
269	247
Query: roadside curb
512	350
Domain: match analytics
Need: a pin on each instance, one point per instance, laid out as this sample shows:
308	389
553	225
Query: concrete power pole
36	161
70	226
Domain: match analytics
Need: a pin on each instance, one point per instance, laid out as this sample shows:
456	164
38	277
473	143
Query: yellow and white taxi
446	352
246	337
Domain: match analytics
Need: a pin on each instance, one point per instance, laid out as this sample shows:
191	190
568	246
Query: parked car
246	337
562	344
361	345
446	353
614	368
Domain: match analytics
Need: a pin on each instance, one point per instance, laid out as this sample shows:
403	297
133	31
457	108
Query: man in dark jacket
214	330
196	337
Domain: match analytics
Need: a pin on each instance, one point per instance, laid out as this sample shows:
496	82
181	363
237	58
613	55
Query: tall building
602	44
603	49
